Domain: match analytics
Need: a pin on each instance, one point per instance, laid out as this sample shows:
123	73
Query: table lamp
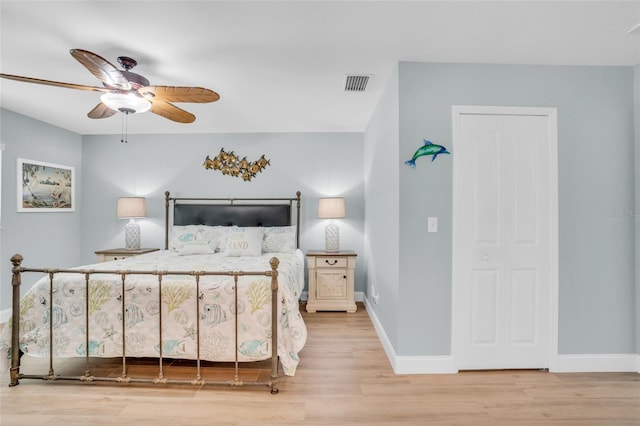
331	208
132	208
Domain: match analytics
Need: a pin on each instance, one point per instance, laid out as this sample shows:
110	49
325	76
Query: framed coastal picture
45	187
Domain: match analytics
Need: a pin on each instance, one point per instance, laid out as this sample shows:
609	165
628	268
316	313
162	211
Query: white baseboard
445	364
409	364
386	343
596	363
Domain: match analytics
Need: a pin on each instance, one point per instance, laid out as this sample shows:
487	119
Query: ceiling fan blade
101	111
179	94
172	112
53	83
102	69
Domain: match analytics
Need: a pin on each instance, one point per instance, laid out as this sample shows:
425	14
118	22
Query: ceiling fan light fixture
128	92
130	103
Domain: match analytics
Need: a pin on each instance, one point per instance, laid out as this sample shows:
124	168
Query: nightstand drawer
103	258
334	262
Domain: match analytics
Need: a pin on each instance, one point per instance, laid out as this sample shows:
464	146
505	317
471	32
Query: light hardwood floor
344	378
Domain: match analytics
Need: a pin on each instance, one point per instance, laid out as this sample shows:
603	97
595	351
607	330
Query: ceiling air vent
356	83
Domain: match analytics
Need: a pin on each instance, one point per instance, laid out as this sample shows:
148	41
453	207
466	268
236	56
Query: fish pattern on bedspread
179	317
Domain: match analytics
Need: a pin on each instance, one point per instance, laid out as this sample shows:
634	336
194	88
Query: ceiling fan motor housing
127	62
137	81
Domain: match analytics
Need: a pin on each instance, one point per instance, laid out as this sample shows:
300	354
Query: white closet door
504	235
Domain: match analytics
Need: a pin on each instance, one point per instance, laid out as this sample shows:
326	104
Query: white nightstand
121	253
331	280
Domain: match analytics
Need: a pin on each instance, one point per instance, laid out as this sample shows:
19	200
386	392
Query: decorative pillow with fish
279	239
244	241
181	235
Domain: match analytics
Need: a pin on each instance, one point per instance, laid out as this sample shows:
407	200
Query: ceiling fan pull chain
125	129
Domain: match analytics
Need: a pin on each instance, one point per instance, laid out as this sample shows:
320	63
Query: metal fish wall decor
230	164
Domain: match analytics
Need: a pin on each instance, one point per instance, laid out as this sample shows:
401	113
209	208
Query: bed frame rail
16	280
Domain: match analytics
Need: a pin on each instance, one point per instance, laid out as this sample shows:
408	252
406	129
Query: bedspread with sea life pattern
142	307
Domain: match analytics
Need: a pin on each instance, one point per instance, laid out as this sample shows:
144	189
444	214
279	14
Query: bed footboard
16	376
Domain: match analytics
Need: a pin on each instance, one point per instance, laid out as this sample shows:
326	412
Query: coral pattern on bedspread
178	306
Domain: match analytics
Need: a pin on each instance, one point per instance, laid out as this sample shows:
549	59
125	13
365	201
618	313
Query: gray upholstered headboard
232	211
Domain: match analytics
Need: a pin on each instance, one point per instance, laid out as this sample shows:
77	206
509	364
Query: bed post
16	280
298	194
166	220
274	324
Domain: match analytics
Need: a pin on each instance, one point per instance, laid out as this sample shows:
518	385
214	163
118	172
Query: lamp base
332	238
132	235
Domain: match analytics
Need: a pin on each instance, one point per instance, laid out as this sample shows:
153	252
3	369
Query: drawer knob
332	262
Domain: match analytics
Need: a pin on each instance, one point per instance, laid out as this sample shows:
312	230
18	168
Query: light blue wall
319	164
636	92
598	297
44	239
382	243
596	176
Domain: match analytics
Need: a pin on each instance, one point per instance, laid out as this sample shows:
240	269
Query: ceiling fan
129	92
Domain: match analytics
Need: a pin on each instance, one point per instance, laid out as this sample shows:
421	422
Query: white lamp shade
331	208
131	207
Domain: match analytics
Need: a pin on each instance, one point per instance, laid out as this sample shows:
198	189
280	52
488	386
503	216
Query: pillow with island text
243	241
279	239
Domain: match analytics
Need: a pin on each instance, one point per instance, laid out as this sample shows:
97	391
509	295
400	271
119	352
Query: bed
225	288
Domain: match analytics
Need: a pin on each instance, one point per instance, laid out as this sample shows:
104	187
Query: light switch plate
432	224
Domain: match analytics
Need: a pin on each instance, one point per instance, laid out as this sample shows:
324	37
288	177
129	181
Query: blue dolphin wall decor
429	148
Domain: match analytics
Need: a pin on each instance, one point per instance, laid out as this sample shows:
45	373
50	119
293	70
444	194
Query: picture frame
45	187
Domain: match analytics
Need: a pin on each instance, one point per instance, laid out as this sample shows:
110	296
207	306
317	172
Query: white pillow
244	241
216	236
279	239
181	235
196	247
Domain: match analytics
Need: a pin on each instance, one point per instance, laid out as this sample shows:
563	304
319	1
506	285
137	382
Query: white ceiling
279	66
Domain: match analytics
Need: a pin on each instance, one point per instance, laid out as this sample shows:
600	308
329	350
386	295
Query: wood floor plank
344	377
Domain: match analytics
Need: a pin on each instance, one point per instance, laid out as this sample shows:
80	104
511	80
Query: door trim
551	113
